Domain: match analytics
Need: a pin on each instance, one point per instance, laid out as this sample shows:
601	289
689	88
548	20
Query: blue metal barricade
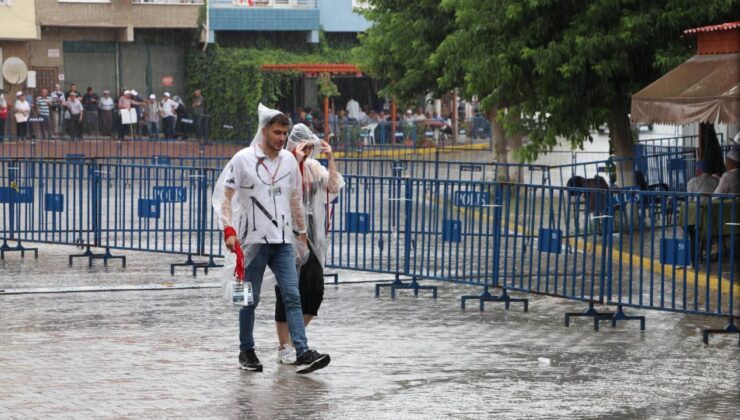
656	250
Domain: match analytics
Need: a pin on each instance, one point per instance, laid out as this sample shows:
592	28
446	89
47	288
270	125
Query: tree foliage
399	45
555	68
234	84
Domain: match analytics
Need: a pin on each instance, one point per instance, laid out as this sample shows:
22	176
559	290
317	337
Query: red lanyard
272	176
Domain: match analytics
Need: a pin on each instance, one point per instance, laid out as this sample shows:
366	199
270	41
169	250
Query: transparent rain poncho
233	215
320	188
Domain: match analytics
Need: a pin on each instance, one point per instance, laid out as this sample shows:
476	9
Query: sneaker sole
316	365
257	369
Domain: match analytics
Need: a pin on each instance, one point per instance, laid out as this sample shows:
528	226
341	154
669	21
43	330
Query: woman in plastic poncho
320	187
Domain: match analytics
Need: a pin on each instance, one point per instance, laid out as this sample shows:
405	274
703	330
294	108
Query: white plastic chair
367	134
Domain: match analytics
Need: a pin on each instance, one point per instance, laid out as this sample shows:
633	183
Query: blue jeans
281	260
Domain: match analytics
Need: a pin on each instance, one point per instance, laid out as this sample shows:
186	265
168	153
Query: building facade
18	27
113	44
300	16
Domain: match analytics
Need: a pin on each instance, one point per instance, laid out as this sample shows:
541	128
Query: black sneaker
248	361
311	360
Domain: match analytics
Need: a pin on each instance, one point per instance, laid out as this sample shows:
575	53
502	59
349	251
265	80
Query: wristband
229	232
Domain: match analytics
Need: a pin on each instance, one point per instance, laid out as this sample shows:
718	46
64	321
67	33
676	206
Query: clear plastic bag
243	294
235	292
227	277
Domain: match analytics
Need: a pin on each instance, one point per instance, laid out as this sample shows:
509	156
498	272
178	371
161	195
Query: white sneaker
286	355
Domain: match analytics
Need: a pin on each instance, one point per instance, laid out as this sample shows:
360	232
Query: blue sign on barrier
161	160
5	194
551	240
149	208
358	222
471	168
675	251
22	195
451	230
472	198
324	162
171	194
54	202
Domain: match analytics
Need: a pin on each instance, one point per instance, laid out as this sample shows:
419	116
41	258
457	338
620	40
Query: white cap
126	92
152	96
167	94
133	92
19	93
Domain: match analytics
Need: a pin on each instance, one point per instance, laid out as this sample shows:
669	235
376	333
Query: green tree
399	45
548	68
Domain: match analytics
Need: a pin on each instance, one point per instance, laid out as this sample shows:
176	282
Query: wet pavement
172	353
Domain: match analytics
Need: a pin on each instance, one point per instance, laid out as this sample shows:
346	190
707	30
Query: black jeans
21	130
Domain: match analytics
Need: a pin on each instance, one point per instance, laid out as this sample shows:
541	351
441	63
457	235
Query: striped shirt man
42	104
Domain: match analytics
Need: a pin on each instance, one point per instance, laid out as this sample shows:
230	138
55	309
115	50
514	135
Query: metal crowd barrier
108	148
652	250
656	250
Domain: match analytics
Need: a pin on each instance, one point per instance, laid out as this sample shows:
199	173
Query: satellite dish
15	70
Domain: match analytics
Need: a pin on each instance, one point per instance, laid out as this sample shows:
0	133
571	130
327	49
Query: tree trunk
515	143
498	136
620	134
454	117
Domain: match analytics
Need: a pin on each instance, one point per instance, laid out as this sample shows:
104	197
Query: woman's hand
299	153
326	148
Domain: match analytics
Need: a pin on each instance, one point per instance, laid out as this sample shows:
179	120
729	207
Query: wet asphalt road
172	353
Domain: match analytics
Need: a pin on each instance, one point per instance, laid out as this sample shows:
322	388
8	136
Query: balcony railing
277	4
168	1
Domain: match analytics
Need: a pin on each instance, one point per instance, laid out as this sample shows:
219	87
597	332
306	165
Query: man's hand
230	238
231	243
326	148
235	247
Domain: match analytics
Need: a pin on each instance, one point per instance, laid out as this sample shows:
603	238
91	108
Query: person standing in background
43	107
22	111
199	111
105	114
90	102
353	109
57	111
3	114
152	113
76	114
168	116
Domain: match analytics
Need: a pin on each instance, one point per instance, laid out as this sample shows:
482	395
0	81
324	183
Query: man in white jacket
259	204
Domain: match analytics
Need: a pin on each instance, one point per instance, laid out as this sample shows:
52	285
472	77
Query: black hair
279	119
